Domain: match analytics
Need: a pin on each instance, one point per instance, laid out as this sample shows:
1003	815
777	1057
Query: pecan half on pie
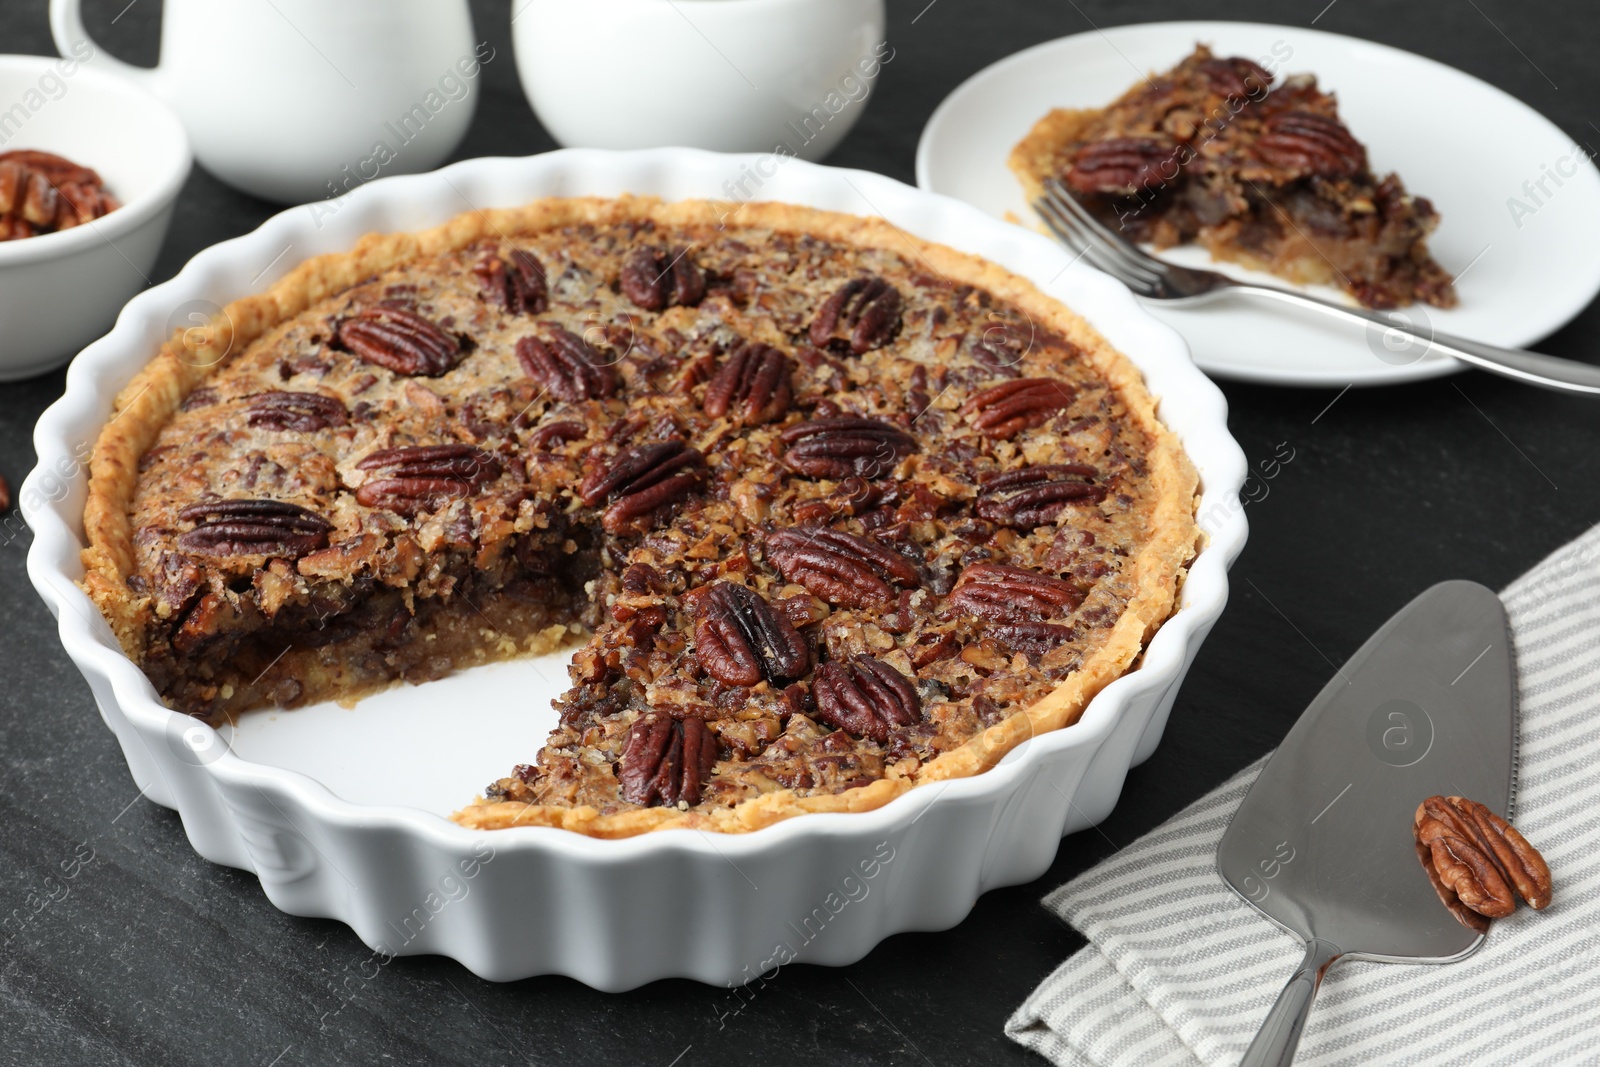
836	512
1265	175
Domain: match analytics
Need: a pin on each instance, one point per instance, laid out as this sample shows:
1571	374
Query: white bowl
779	76
59	291
614	914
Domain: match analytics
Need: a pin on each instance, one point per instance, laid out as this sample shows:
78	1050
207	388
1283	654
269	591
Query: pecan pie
1265	175
831	512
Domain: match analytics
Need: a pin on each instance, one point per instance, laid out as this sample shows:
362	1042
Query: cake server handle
1275	1043
1533	368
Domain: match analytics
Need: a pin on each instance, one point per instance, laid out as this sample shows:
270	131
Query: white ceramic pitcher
299	100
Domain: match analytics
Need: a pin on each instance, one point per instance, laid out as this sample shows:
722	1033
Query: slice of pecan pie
1265	175
839	511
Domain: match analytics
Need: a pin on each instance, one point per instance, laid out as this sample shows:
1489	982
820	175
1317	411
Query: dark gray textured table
152	955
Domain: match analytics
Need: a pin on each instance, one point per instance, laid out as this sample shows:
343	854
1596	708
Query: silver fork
1157	279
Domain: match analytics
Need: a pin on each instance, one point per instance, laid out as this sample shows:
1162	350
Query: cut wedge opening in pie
1266	175
828	511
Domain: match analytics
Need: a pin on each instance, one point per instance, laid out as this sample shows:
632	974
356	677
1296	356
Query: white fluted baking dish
284	793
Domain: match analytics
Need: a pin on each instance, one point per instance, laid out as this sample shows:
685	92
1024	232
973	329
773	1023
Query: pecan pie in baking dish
1267	175
828	511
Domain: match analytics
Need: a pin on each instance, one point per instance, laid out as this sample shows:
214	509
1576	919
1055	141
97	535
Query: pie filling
823	512
1212	152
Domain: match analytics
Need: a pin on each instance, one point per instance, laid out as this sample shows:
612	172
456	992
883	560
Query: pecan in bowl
41	192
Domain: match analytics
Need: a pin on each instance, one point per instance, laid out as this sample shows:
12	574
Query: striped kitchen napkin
1179	970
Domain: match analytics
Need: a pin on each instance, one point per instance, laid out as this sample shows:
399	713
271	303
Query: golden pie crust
191	357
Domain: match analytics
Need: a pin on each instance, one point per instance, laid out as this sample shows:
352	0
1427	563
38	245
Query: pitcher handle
66	26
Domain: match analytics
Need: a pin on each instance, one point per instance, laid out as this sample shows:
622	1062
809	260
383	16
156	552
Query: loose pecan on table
740	639
516	283
865	697
655	279
641	479
1123	166
253	527
300	412
400	340
665	761
423	477
751	386
1308	143
844	446
1477	859
1036	496
1447	896
1005	410
862	315
841	568
567	365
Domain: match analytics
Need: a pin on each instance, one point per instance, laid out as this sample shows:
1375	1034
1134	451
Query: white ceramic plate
341	812
1525	258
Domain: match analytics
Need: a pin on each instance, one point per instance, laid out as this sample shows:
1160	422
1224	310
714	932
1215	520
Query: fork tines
1104	248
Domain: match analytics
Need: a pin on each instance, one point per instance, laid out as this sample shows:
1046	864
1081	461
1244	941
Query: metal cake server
1322	843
